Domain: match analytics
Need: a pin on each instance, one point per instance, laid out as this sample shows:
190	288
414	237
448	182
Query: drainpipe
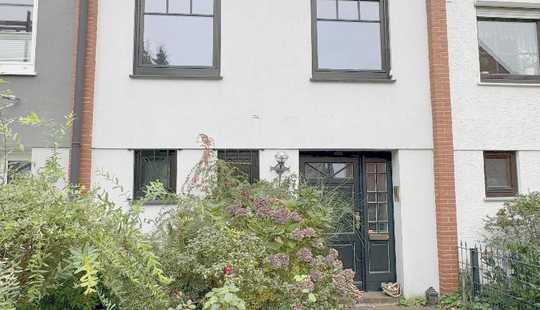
75	155
81	146
443	146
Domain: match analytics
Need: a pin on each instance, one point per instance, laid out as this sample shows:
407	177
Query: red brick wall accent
88	97
443	146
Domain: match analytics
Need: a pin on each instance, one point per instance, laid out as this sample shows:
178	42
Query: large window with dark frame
350	40
177	38
246	162
509	49
152	166
500	174
17	36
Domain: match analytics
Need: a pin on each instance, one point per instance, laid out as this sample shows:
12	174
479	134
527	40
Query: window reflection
16	21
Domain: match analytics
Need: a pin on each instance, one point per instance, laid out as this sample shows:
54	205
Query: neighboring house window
177	38
154	165
17	36
509	49
245	161
18	167
500	174
350	40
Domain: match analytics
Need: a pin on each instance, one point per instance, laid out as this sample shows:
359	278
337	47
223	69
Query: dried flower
262	210
238	211
296	217
305	255
278	261
301	234
306	286
280	216
343	282
315	275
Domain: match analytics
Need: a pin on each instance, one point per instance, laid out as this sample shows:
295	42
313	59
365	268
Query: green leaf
31	119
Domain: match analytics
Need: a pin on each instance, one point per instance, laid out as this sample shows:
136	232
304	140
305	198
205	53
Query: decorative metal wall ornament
280	168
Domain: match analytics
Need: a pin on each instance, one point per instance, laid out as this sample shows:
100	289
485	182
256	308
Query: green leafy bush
515	267
62	249
224	298
266	239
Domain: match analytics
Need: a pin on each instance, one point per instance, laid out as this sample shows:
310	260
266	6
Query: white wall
486	117
40	156
415	222
473	206
266	99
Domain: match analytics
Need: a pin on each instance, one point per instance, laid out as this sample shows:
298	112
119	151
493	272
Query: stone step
377	307
371	298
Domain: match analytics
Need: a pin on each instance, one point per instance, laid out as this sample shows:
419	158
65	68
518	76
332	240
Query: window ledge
388	80
158	203
507	4
499	199
171	77
154	203
509	84
509	79
17	73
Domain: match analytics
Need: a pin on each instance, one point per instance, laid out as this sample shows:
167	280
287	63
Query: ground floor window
18	167
245	161
500	174
154	165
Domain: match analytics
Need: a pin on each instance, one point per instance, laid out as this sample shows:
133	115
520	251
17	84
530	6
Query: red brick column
88	96
443	147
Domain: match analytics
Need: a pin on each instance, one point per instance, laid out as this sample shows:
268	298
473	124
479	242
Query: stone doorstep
378	298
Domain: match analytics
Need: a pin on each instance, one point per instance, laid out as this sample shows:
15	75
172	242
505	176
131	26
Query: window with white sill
509	44
17	36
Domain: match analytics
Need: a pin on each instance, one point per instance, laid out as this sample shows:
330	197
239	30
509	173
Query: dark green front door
364	237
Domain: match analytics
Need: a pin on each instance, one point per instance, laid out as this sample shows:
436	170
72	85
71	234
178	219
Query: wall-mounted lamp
280	168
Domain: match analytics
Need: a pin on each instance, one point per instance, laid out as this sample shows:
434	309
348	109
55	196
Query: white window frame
29	67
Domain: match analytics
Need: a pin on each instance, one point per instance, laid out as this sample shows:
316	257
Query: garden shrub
233	245
62	249
514	268
265	239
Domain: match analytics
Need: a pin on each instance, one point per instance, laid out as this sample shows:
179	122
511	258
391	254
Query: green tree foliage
162	58
61	249
514	270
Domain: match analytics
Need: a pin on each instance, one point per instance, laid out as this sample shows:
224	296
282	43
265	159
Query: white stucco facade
487	117
267	102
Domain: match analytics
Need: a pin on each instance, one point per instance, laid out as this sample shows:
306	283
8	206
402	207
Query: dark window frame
508	78
497	192
233	155
178	72
383	75
17	167
138	176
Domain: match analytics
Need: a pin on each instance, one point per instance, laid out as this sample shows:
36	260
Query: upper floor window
350	40
152	166
500	174
177	38
509	49
17	36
